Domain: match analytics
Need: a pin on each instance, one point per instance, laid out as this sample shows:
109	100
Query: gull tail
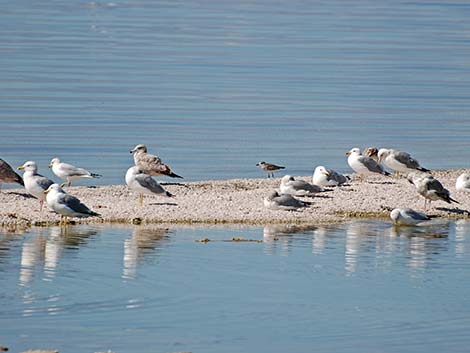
173	175
19	179
94	175
424	170
169	194
452	200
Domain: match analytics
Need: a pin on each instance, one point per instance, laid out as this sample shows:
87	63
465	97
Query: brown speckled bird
8	175
150	164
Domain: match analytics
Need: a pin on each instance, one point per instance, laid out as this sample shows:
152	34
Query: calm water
215	86
356	287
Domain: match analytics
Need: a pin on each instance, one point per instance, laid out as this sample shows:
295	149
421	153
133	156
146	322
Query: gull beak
348	153
327	173
46	191
21	168
50	165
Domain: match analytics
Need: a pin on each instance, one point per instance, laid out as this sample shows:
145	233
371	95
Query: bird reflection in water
144	242
280	236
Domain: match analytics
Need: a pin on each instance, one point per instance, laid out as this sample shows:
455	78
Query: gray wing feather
43	181
289	201
303	185
74	171
8	174
333	175
149	183
406	159
75	204
417	215
372	165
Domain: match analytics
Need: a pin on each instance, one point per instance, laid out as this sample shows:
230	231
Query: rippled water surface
215	86
355	287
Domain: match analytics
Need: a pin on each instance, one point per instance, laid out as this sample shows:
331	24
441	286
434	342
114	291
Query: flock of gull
368	162
139	178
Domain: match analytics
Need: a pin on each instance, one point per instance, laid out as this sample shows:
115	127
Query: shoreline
237	201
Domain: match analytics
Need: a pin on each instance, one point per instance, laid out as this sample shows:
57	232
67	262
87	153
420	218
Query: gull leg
141	199
41	203
62	185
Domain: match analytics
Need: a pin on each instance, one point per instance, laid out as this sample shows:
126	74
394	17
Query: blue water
213	87
356	287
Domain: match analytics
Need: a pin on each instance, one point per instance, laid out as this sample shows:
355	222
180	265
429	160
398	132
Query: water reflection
44	250
462	231
144	241
280	236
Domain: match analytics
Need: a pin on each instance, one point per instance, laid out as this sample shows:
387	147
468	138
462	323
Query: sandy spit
237	201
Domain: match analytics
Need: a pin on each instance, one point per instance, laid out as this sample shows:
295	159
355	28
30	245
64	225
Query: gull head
29	166
286	178
139	148
321	169
54	161
54	188
354	151
382	154
394	215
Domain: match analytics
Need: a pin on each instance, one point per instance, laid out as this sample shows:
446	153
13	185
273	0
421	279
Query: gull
430	188
372	153
362	164
35	183
407	217
399	161
8	175
276	201
463	182
327	177
144	184
150	164
298	187
269	168
69	172
65	204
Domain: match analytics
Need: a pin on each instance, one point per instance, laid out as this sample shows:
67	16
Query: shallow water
361	286
214	87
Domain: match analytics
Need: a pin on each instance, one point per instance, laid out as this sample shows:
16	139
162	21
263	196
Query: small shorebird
144	184
291	186
276	201
69	172
150	164
407	217
8	175
327	177
66	205
430	188
362	164
35	183
269	168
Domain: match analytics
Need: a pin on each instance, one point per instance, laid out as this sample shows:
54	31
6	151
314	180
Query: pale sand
238	201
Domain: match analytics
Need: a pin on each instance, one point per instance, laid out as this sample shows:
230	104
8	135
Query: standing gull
407	217
150	164
327	177
362	164
35	183
276	201
399	161
69	172
8	175
291	186
65	204
269	168
144	184
463	182
430	188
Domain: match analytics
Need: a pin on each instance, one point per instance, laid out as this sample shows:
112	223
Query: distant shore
237	201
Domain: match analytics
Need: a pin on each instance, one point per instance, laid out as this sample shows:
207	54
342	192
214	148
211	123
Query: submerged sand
238	201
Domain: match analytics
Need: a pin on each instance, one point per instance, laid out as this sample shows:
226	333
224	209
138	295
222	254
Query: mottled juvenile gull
35	183
150	164
8	175
269	168
372	153
399	161
144	184
69	172
327	177
407	217
289	185
65	204
430	188
276	201
463	182
362	164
